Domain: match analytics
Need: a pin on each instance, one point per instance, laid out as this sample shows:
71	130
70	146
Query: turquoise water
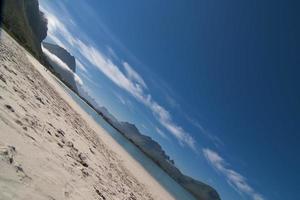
178	192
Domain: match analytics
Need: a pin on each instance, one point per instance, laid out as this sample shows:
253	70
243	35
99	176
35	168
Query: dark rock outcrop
26	23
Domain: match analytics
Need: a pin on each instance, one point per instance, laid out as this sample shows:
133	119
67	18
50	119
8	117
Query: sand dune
50	148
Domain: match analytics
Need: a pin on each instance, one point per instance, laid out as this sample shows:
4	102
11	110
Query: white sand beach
50	148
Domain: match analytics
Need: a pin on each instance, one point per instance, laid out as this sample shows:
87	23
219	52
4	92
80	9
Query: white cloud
235	179
130	81
58	32
124	81
133	75
135	85
62	65
165	120
78	79
53	25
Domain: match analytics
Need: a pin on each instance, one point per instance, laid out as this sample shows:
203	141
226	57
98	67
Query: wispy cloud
165	120
215	140
136	89
53	25
81	66
133	75
161	133
235	179
127	78
87	78
121	99
131	81
171	101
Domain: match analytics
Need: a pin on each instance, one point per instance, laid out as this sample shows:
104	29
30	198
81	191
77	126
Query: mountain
67	75
155	152
62	54
26	23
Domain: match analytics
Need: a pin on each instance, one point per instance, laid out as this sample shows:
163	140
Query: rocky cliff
26	23
66	75
62	54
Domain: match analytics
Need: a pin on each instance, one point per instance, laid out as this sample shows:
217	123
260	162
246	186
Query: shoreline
144	186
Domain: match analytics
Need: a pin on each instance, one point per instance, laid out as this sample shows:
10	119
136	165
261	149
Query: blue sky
214	82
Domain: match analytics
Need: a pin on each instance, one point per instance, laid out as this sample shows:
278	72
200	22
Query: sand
50	148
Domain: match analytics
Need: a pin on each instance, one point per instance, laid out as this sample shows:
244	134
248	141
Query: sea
178	192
